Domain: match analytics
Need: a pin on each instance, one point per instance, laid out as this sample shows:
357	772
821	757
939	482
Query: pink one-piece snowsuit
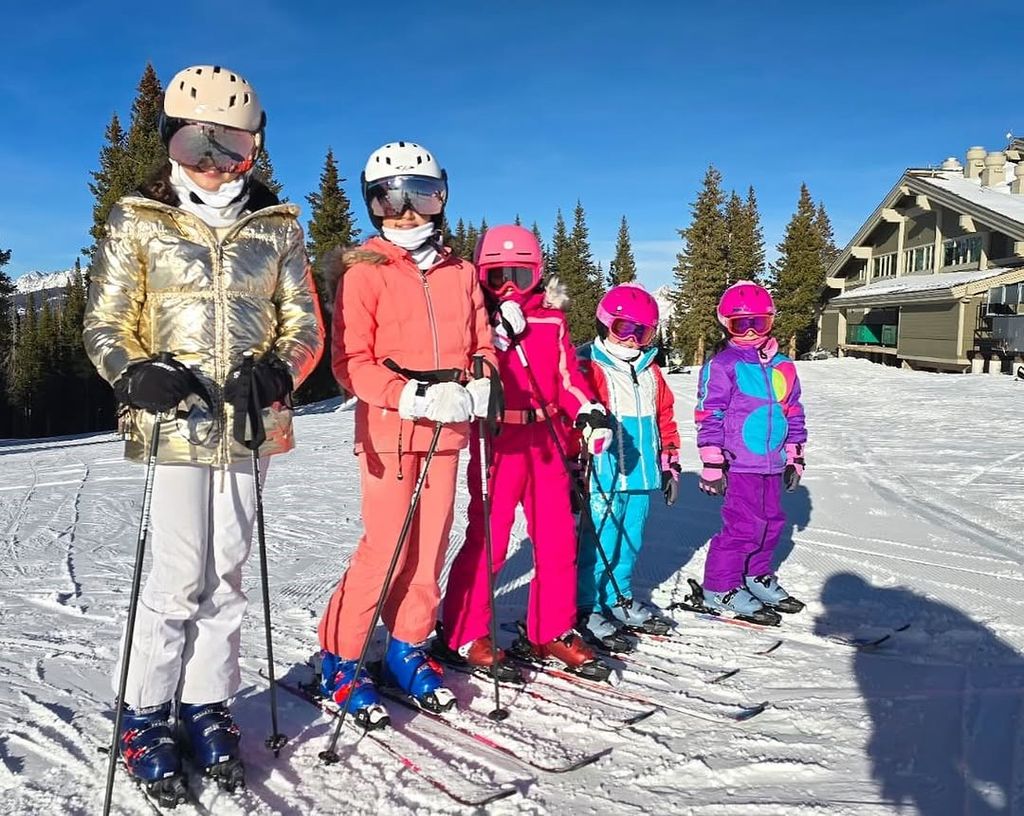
527	469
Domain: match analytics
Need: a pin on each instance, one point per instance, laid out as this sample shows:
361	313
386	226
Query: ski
580	761
486	798
605	722
741	714
867	644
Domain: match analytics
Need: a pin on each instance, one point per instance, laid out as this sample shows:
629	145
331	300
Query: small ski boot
569	649
476	656
408	667
768	590
637	616
742	605
338	683
210	738
151	755
604	632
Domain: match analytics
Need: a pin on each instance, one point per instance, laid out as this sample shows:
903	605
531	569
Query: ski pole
584	500
498	713
329	756
133	603
276	740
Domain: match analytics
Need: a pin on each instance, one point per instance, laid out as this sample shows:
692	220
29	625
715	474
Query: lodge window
883	266
958	251
919	259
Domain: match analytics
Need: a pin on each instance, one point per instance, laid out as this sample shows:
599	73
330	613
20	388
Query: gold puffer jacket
162	281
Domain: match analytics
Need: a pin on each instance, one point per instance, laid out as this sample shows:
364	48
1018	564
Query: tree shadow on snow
945	699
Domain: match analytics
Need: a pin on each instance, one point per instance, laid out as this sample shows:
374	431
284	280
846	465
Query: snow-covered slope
909	514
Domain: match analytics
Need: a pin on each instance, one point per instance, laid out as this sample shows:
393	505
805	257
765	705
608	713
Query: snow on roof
997	198
908	284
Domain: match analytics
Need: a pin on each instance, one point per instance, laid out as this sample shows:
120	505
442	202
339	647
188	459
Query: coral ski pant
410	607
752	523
527	469
620	523
189	620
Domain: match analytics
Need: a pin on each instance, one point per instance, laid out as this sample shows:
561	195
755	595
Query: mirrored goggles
741	324
505	279
390	197
206	146
625	329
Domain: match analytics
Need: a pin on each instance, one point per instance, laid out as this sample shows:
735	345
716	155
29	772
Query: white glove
480	391
592	420
412	402
448	403
511	324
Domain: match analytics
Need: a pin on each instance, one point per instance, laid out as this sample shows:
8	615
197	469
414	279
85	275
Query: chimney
952	163
995	169
1017	186
975	163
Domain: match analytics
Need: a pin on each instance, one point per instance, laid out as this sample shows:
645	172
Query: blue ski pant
619	523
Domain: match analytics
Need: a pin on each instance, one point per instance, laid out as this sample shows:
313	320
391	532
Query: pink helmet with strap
509	260
746	307
629	311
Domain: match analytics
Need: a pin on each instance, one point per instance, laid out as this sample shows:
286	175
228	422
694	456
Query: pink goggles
625	329
741	324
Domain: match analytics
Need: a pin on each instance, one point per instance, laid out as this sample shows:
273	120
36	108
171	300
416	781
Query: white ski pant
188	628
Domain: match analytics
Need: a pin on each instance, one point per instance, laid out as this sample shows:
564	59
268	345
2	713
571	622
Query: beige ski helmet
212	93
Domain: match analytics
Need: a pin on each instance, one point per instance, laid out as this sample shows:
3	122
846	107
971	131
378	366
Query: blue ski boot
742	605
408	667
768	590
338	682
637	616
210	738
603	631
151	755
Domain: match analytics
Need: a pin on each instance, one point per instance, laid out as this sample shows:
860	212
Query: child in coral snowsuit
408	320
750	435
541	382
620	366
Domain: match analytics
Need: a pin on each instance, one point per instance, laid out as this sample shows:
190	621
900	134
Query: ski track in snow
909	513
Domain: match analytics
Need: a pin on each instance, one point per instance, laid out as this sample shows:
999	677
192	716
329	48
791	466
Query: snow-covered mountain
43	286
663	295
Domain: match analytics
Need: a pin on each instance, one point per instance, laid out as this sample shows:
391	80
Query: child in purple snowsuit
750	435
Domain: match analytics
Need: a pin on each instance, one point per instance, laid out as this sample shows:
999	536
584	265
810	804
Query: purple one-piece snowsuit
748	404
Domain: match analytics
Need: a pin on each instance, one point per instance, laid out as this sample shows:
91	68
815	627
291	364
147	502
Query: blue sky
529	105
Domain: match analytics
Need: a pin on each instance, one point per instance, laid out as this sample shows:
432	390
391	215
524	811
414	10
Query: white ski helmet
212	93
402	159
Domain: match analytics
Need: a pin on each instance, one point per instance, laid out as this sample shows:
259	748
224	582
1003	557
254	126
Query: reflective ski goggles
390	197
503	280
206	146
741	324
625	329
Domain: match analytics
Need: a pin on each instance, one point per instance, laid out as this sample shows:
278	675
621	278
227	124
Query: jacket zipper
771	402
639	418
430	317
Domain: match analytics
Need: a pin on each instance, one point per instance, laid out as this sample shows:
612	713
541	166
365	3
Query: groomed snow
910	512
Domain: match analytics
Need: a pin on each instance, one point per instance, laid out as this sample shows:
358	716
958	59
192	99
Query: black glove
271	381
155	385
670	481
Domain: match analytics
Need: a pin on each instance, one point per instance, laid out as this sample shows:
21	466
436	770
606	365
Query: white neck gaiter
415	242
624	353
218	208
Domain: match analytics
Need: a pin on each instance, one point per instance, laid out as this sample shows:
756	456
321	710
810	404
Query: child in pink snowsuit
541	381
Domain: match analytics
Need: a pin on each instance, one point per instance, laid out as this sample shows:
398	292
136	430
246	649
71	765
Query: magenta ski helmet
629	311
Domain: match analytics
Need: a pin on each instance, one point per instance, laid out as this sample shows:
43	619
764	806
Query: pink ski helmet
509	261
746	307
629	311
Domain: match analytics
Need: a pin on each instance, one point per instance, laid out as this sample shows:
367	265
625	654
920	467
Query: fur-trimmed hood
556	294
334	264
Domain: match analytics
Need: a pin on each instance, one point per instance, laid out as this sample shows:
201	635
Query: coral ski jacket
551	358
641	407
748	404
388	309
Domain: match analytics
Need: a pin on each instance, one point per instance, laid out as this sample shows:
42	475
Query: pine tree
109	182
263	170
457	244
800	276
701	272
623	268
331	225
544	253
469	244
745	259
758	268
824	226
518	222
576	269
26	370
6	338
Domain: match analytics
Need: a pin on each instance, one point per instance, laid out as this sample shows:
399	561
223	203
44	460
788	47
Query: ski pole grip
478	366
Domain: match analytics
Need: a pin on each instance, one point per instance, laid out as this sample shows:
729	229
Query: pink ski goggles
625	329
741	324
504	280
